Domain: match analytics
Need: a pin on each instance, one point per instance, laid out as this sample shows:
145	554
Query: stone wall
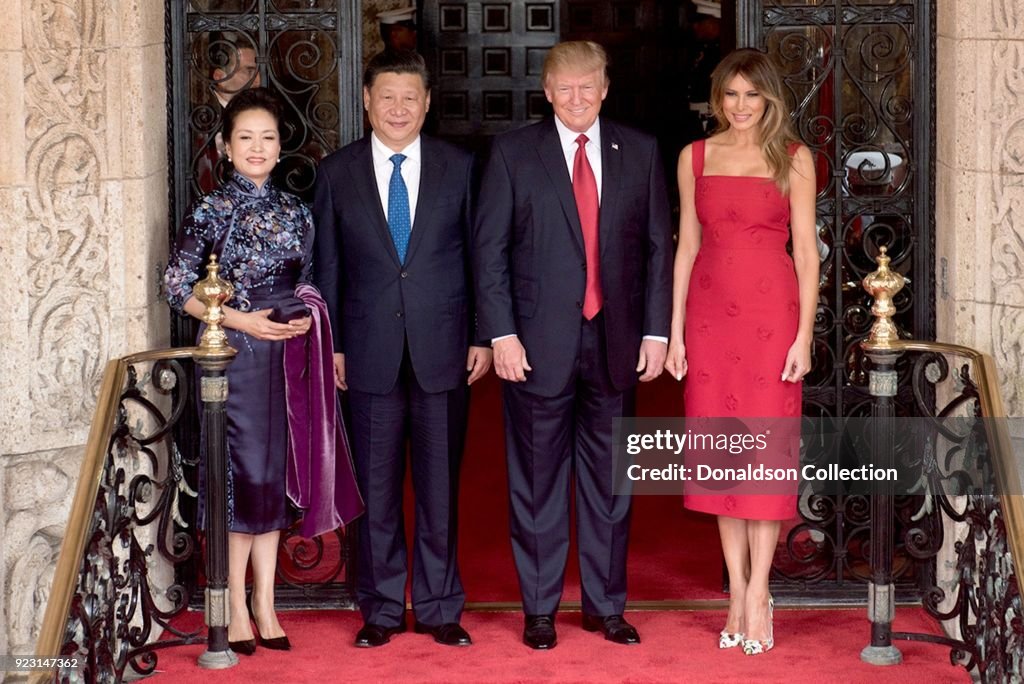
979	210
83	203
980	183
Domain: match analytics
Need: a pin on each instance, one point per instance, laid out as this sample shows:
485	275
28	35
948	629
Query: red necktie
584	187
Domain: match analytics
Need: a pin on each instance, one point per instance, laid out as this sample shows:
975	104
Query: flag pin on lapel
615	146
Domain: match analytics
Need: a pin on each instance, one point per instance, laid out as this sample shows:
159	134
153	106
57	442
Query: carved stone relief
1008	220
37	496
66	105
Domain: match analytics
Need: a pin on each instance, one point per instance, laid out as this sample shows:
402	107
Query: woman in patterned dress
264	239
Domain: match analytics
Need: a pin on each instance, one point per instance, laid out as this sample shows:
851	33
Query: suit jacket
376	303
529	260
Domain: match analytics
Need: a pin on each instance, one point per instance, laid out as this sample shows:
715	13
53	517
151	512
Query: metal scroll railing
114	595
967	533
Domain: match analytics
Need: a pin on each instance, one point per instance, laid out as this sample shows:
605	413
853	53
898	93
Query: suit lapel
432	168
365	181
611	179
550	151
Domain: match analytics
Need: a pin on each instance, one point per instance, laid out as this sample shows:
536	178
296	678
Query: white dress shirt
593	147
383	168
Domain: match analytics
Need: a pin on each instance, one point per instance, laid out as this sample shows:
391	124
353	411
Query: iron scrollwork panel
975	592
851	71
310	53
137	535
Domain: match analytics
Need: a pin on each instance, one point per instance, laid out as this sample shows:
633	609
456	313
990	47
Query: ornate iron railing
115	592
106	607
971	506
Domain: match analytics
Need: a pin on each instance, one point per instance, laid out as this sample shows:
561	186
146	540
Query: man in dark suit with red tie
573	266
392	261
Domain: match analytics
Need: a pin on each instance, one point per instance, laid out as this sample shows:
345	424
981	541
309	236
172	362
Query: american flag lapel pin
615	146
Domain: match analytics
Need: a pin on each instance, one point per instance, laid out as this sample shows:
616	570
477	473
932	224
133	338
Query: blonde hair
776	130
575	55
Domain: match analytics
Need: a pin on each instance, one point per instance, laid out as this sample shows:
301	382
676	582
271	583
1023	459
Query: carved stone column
979	213
83	197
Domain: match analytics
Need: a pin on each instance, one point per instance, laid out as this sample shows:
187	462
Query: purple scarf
321	480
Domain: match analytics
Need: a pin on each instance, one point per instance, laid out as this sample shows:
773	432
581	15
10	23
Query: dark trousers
435	427
548	441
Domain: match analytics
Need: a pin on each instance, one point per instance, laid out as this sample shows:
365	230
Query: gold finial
882	285
213	292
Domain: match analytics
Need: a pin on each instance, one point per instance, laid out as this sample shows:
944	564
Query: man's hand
510	360
652	359
339	372
478	361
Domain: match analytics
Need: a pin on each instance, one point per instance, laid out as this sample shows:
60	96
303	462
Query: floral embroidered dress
267	239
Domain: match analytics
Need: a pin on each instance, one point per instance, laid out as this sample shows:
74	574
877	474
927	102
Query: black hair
246	100
396	62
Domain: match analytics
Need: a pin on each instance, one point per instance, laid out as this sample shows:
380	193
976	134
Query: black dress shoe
539	632
614	627
372	635
247	647
449	634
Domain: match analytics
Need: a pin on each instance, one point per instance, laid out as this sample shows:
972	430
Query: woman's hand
798	361
675	361
259	325
301	325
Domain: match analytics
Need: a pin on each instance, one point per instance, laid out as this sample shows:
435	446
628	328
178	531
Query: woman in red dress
743	308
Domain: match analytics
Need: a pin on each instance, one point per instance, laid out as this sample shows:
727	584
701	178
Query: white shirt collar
568	137
383	153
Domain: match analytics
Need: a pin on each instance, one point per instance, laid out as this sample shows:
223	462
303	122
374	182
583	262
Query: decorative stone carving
1008	352
66	105
32	577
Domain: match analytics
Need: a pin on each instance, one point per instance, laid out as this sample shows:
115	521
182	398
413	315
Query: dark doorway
486	58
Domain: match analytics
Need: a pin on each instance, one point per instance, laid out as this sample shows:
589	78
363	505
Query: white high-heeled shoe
760	646
729	639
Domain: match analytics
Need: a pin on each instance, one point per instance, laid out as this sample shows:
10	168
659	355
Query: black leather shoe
372	635
449	634
614	627
247	647
539	632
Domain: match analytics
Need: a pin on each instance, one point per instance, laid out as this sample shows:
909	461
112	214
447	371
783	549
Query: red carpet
812	646
674	555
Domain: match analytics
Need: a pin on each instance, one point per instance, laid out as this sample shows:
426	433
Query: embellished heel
729	639
759	646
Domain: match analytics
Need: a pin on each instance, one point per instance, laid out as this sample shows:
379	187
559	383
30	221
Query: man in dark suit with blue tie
392	261
573	265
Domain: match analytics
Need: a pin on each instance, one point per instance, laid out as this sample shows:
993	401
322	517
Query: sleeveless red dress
742	314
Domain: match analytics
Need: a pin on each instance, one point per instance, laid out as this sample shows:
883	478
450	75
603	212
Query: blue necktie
399	220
